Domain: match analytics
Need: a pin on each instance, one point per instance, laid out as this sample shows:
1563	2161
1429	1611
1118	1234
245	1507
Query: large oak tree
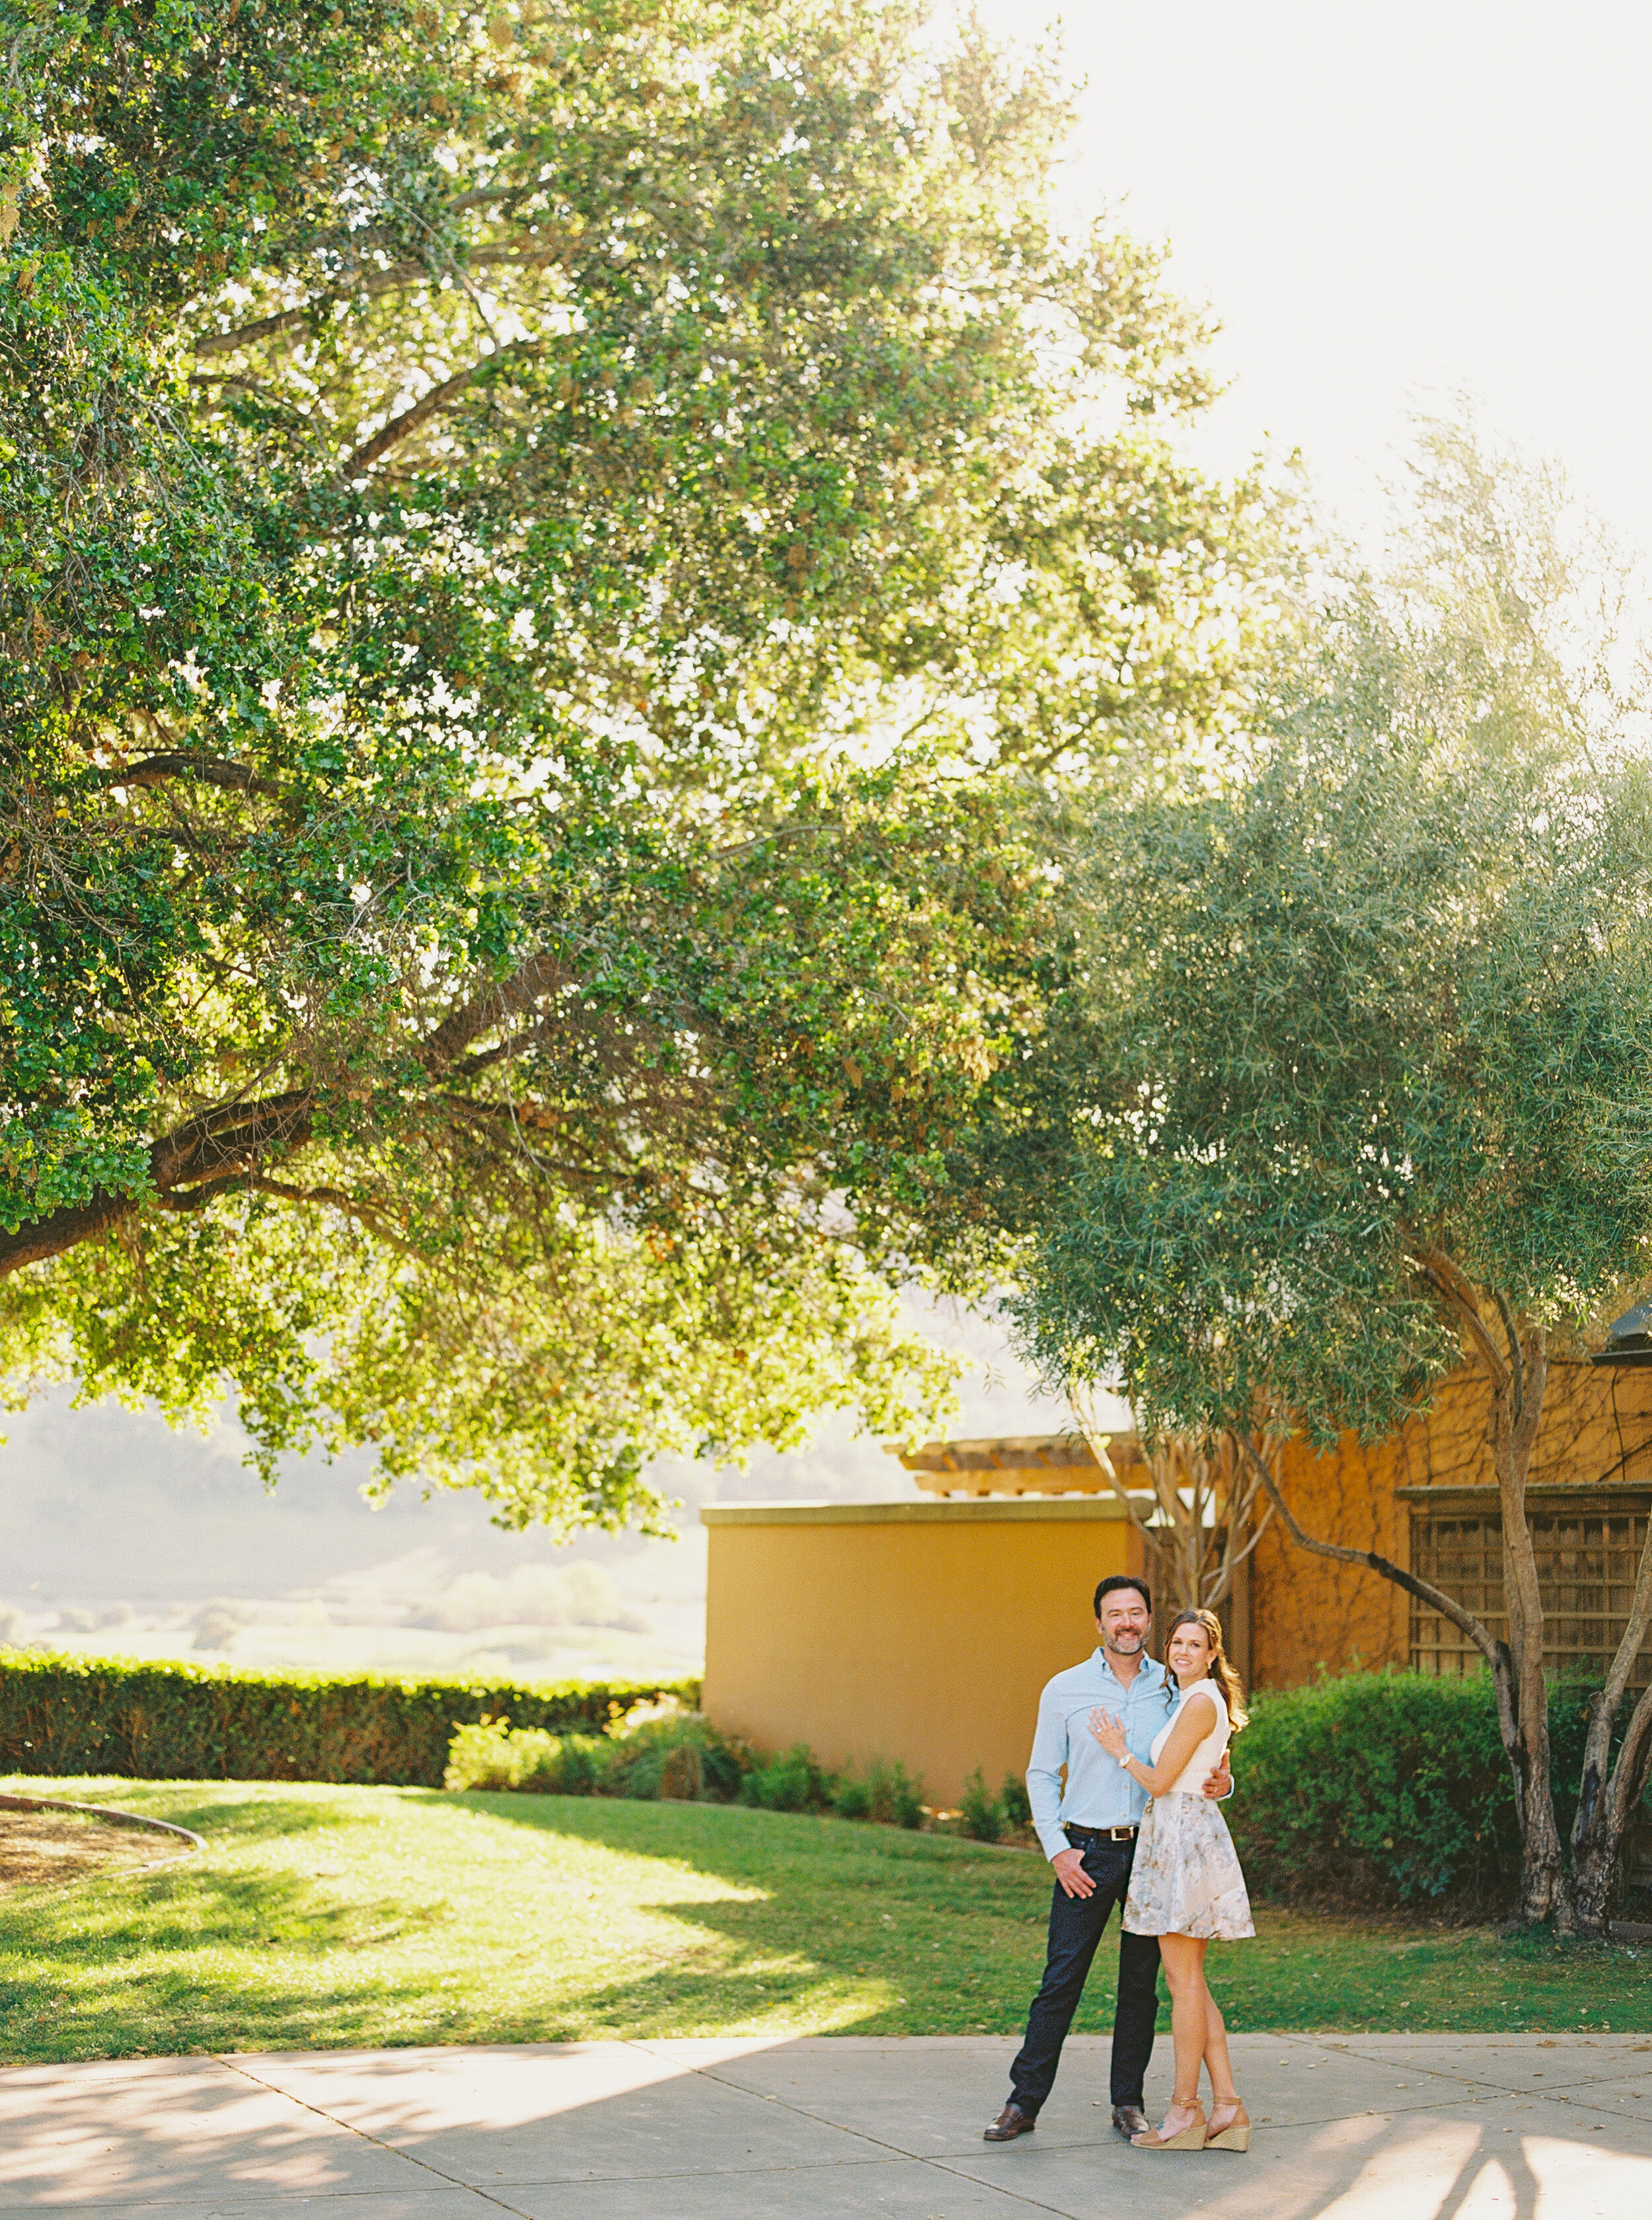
532	541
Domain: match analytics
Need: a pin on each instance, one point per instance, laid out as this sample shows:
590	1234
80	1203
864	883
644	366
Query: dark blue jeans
1076	1925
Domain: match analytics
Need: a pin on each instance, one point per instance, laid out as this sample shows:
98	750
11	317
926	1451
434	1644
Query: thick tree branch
208	1142
62	1230
1446	1276
284	320
1516	1363
1634	1761
540	975
210	771
1603	1707
220	1146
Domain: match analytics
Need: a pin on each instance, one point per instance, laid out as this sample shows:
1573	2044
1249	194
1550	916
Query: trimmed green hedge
1389	1788
180	1722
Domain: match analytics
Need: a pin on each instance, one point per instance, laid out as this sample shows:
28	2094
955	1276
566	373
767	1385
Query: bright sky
1386	205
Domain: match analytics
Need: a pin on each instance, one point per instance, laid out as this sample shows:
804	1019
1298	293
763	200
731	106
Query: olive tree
1202	1512
1365	1089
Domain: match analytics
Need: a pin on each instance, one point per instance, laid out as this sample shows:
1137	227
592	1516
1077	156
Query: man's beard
1123	1642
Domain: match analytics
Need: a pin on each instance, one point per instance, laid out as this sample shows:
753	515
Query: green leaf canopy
531	544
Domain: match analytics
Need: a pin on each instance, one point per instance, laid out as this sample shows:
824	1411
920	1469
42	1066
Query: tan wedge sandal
1192	2137
1235	2135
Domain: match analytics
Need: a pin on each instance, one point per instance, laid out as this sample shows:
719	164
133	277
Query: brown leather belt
1098	1834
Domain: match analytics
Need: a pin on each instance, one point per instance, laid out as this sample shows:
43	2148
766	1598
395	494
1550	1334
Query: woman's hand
1108	1732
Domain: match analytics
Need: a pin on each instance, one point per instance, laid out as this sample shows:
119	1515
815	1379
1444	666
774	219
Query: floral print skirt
1186	1879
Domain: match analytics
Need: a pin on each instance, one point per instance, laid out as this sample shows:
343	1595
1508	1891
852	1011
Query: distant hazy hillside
105	1507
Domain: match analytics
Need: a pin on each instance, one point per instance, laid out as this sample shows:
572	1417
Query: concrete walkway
1369	2128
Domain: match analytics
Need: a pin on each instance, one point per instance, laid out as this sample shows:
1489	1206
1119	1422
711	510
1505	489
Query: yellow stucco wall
1306	1612
921	1631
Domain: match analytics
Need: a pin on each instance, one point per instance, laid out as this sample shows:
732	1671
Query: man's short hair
1113	1582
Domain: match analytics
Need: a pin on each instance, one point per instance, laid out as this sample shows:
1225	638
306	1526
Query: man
1088	1834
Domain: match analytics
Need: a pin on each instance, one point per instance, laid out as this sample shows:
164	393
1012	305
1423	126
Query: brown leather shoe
1130	2120
1011	2122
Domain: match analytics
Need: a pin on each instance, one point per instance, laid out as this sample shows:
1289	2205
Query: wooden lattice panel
1588	1544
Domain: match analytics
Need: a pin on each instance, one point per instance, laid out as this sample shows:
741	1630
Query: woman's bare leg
1216	2058
1226	2105
1180	1956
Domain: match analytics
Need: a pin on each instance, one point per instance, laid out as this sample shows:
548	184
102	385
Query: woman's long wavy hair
1221	1670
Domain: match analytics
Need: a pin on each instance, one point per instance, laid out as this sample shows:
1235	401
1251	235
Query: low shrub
484	1755
568	1765
1018	1809
885	1793
791	1782
665	1750
652	1749
492	1755
981	1813
1388	1788
63	1715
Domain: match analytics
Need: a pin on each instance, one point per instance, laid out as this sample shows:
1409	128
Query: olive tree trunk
1517	1374
1609	1795
1516	1412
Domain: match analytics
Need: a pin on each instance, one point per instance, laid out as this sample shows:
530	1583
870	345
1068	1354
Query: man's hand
1219	1783
1069	1872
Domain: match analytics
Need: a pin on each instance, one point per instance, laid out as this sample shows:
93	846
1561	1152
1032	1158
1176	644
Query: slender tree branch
1097	1442
335	1198
1261	1528
178	1201
429	405
1494	1652
399	278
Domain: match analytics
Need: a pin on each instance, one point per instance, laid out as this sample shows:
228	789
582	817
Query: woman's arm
1194	1722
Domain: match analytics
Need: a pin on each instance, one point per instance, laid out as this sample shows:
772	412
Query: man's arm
1043	1775
1044	1794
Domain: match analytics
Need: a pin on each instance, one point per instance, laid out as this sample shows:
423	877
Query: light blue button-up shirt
1098	1792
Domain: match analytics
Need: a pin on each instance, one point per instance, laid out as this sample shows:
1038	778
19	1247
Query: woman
1186	1886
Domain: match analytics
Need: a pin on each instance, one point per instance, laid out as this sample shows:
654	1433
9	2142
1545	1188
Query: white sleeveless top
1191	1780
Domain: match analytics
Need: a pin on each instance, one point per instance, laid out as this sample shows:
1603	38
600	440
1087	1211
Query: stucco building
922	1629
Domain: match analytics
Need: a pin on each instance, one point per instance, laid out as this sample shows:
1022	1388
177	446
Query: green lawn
367	1916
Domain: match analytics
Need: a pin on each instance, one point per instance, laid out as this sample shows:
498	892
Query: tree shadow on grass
831	1920
755	1849
838	1925
193	1958
250	1818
